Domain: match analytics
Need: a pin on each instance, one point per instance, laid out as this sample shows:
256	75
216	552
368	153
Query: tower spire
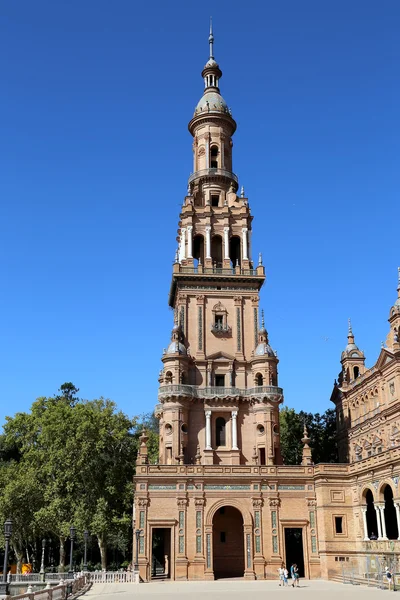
398	281
211	40
350	335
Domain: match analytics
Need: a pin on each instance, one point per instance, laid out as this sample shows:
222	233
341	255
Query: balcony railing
212	173
193	391
216	270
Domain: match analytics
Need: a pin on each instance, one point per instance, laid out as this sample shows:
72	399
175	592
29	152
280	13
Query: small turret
353	360
393	338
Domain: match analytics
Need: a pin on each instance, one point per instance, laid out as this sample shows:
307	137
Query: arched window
371	516
216	250
214	157
259	380
198	249
390	514
234	250
220	438
356	372
168	377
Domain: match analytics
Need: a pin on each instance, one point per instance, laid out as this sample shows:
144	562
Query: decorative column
274	504
397	507
141	524
182	246
208	241
208	429
382	511
364	517
226	243
209	374
190	241
259	560
250	245
234	430
378	522
244	243
181	562
200	324
239	320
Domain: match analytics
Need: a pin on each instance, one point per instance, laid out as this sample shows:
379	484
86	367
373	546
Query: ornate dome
264	349
211	102
176	347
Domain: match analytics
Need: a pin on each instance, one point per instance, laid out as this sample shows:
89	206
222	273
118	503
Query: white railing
112	577
59	592
36	577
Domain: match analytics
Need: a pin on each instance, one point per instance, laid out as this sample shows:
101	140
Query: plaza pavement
231	589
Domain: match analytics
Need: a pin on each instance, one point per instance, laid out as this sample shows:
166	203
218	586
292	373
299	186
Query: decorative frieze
227	487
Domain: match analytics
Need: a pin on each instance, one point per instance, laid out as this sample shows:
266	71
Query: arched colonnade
381	514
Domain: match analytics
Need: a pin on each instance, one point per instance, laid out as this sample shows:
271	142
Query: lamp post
7	535
42	562
85	539
136	565
72	532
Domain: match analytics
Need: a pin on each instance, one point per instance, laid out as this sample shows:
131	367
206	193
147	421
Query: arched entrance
390	514
228	543
371	516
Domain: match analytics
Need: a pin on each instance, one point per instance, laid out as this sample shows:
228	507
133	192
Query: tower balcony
265	392
214	175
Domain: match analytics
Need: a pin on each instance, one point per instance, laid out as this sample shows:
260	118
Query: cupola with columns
219	396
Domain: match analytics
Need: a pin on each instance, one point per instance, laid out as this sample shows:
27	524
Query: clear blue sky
94	160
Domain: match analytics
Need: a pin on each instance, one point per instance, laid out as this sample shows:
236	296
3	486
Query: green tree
321	430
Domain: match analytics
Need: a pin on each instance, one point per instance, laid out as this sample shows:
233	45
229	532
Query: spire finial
260	259
262	319
242	192
350	329
398	280
211	40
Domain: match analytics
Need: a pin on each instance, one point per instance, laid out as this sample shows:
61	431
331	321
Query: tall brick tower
218	394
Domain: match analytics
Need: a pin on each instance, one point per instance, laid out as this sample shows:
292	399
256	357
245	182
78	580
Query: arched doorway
371	516
390	514
228	543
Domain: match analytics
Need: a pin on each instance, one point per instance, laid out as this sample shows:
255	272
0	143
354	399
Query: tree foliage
321	430
71	462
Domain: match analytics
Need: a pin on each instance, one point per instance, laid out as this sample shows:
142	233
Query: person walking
285	576
280	575
296	575
292	574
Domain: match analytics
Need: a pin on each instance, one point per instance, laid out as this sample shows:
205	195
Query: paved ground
230	590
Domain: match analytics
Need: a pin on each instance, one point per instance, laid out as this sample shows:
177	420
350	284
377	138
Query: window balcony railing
193	391
204	173
220	329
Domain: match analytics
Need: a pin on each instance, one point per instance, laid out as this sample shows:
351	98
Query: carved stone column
181	561
364	517
200	326
378	521
276	553
199	562
259	560
144	542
